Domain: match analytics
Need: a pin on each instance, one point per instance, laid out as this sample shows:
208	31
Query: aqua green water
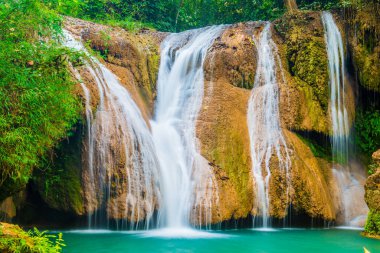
281	241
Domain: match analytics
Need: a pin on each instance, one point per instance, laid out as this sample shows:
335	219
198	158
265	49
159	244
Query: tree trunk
291	5
176	18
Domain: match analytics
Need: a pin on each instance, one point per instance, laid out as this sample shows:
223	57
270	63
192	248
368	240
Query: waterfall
122	166
89	118
351	191
339	116
266	138
187	181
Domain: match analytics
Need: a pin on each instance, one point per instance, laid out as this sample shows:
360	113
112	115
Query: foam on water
186	233
89	231
349	228
265	229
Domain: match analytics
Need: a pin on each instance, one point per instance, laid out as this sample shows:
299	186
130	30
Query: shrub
38	104
367	128
15	240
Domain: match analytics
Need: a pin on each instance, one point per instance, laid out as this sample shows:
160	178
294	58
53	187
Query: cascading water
89	118
122	165
266	138
351	190
339	116
187	181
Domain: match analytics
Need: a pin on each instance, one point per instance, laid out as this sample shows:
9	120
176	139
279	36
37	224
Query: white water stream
118	139
187	181
349	179
266	138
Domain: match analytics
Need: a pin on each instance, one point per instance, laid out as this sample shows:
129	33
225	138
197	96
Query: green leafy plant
318	149
15	240
38	102
174	15
367	128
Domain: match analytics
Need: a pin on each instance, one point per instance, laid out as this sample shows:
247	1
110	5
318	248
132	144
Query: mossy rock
59	180
372	198
12	186
308	61
233	56
138	55
363	33
372	226
302	45
367	64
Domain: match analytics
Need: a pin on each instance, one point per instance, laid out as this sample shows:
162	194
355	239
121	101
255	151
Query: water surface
279	241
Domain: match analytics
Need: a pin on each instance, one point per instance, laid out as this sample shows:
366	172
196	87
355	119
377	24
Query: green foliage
128	24
318	149
38	105
372	226
128	13
319	4
367	128
14	240
179	15
199	13
168	15
67	7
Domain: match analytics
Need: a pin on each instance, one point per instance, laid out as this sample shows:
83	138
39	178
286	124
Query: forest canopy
177	15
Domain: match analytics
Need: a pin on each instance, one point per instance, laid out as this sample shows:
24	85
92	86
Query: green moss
105	37
233	159
313	105
243	79
372	226
14	239
307	63
364	39
368	67
148	89
307	59
59	180
317	149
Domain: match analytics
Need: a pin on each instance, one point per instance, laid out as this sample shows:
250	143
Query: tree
291	5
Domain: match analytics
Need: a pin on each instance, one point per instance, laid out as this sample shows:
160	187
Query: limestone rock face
363	34
134	58
311	181
7	209
223	132
372	198
303	50
222	128
376	157
222	124
372	194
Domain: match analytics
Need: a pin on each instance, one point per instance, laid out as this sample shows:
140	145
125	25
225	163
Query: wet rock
372	198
